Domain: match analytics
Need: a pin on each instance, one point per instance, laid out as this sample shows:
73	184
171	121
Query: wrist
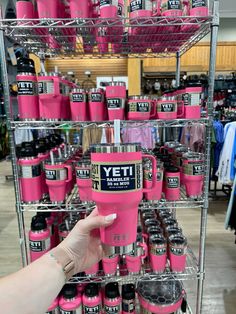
64	261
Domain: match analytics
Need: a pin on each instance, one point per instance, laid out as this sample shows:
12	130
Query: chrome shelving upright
33	36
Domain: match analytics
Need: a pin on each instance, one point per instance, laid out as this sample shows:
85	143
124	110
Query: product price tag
120	177
27	88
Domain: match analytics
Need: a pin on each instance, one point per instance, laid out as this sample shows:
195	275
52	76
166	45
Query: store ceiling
227	8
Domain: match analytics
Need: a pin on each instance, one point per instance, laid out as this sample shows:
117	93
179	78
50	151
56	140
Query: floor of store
220	284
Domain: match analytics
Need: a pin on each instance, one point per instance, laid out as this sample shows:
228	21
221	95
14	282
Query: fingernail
110	217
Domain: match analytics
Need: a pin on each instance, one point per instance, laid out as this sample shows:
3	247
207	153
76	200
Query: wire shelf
126	123
74	204
191	273
108	38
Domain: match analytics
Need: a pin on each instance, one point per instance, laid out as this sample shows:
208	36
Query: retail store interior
129	106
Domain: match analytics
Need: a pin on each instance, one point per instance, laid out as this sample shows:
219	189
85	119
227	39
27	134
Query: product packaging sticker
167	107
56	174
104	3
112	309
39	246
115	103
193	168
128	306
193	99
139	106
171	5
78	97
77	311
177	251
29	172
158	250
198	3
46	87
173	182
95	97
117	177
83	173
136	5
92	309
27	88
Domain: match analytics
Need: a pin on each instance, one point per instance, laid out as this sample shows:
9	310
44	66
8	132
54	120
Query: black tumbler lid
38	223
41	146
25	65
128	292
91	290
172	169
69	291
112	290
28	152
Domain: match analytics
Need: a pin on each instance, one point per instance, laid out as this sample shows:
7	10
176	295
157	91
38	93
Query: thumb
93	222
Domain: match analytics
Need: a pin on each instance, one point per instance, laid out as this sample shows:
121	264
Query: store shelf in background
73	203
191	272
130	123
149	37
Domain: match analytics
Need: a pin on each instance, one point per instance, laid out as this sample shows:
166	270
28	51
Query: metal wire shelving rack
67	38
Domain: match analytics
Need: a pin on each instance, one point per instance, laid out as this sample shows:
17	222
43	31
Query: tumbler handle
154	173
69	171
153	110
56	83
144	246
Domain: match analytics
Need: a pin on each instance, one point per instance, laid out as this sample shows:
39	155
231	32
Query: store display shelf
136	38
74	204
130	123
191	273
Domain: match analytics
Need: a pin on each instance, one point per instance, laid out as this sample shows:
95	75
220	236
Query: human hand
83	246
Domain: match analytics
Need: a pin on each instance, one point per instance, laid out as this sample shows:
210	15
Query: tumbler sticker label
158	251
96	97
170	5
139	106
120	177
39	246
57	174
27	88
56	311
193	168
83	173
167	107
92	309
193	99
128	306
104	3
46	87
115	103
177	251
78	311
199	3
28	172
120	10
78	97
172	182
136	5
112	309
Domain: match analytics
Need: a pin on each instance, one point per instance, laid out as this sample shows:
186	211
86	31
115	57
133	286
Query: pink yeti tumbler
58	174
156	194
167	108
50	96
140	108
84	181
96	104
39	238
78	104
177	252
157	253
193	173
116	96
117	180
48	9
172	183
28	100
